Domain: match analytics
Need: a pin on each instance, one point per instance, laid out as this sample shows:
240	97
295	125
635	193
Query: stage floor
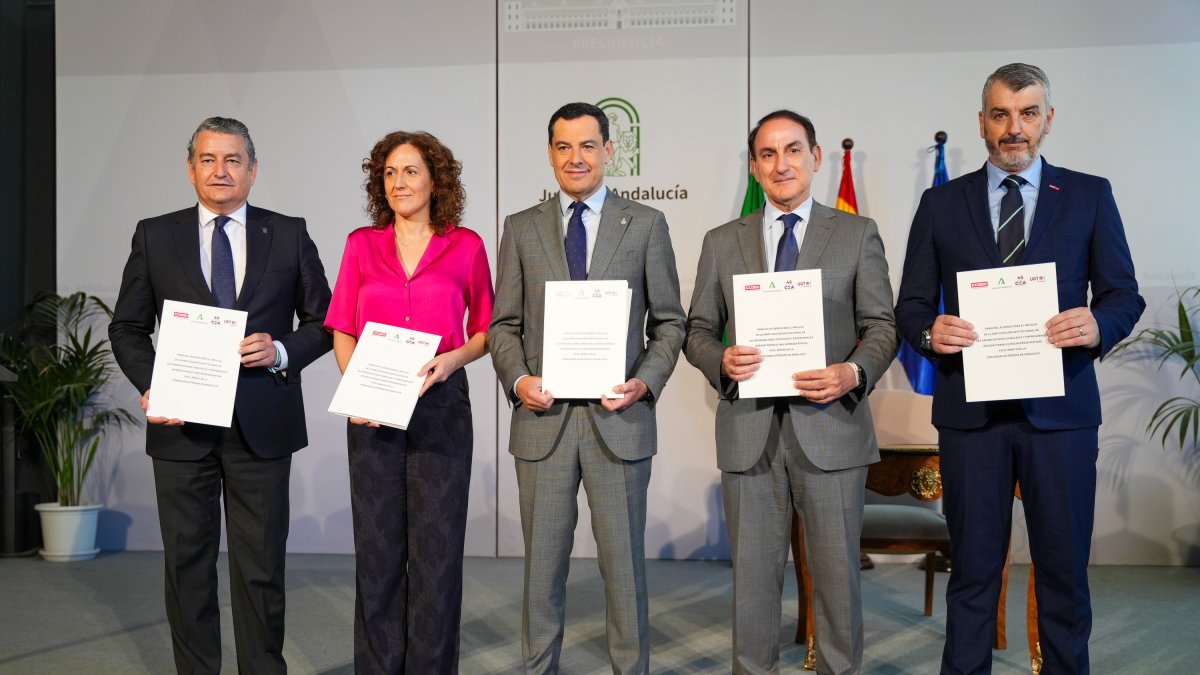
106	616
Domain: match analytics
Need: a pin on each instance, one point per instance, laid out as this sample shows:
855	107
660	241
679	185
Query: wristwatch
926	340
859	376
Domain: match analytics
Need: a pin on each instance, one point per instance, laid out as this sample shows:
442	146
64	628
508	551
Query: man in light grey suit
586	231
811	450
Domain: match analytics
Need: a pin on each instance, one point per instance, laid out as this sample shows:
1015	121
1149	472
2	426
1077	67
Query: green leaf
1185	333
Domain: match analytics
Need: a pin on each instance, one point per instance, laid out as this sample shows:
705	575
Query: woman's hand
439	368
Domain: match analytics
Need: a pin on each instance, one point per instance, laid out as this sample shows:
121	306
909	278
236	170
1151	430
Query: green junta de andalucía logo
625	132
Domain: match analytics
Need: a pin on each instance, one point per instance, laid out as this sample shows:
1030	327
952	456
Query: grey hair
1016	76
223	125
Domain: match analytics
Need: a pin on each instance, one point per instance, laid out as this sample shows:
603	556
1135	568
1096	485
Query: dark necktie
787	251
224	284
576	243
1010	236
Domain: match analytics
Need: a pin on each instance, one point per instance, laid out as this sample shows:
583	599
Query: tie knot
221	220
578	208
789	221
1012	181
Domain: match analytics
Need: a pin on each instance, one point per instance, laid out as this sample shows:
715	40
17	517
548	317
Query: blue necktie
788	251
576	243
224	284
1010	235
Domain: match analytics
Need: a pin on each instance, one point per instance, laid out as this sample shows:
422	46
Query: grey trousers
758	507
616	493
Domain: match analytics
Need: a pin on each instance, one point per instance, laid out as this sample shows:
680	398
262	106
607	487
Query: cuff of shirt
282	356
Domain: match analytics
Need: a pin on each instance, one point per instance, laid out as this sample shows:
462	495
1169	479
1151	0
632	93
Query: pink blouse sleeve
479	292
343	308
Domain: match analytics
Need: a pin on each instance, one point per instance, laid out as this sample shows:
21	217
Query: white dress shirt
235	229
773	229
591	217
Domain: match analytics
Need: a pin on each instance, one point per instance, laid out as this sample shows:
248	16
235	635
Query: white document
583	347
781	314
1009	307
381	382
196	363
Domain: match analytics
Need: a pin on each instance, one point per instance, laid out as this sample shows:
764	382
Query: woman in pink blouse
414	267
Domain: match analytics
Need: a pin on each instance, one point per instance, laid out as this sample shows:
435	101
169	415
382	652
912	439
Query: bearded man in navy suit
1047	445
224	252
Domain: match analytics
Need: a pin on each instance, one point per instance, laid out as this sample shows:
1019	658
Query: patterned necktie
1010	236
787	251
576	243
224	285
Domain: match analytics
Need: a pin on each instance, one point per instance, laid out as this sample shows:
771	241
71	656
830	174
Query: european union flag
918	368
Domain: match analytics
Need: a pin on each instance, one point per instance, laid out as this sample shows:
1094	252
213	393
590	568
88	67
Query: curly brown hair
448	198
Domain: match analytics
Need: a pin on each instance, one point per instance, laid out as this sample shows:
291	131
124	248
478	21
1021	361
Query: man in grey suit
808	451
586	231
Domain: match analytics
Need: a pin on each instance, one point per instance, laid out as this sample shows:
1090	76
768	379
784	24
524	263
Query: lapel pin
1053	187
265	229
624	220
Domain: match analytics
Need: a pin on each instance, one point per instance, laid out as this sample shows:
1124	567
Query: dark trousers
255	493
408	492
1057	473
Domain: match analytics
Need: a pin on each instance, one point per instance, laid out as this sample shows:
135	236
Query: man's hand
1073	328
739	362
362	421
827	384
257	350
529	390
170	422
950	334
634	391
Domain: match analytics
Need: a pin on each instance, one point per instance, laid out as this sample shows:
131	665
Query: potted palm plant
1178	417
62	367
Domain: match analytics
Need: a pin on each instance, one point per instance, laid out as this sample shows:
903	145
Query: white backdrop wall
318	83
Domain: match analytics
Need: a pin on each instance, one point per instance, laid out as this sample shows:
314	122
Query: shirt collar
771	213
1032	175
206	216
594	203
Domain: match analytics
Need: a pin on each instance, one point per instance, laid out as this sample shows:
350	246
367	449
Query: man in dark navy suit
225	253
1018	209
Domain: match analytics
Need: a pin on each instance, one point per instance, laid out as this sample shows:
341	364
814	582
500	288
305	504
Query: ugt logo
625	132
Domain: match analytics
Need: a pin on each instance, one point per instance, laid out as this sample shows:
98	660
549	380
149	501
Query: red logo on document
978	284
379	333
753	287
181	315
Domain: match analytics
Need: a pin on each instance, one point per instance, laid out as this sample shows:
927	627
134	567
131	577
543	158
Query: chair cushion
901	522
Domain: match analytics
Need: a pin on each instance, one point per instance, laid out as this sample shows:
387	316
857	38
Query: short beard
1015	163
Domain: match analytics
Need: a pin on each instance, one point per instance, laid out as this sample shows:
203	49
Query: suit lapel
1048	194
258	246
750	241
186	233
613	223
975	192
549	229
816	236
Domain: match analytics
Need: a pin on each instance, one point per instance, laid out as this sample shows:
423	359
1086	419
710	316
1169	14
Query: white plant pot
68	532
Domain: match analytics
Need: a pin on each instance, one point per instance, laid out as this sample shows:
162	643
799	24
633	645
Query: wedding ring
1081	331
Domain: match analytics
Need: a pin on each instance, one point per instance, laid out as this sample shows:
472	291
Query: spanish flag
846	200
